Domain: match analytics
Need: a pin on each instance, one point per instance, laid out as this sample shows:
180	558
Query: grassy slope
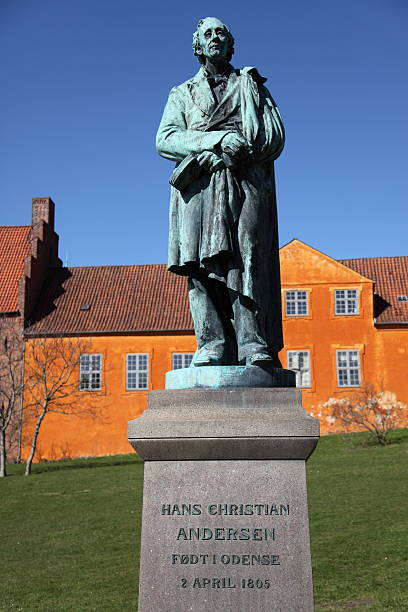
70	535
358	499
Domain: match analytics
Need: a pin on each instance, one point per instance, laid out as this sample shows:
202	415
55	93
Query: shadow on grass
76	464
367	440
359	440
353	603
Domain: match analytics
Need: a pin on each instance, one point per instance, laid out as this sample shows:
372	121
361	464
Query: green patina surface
218	377
224	131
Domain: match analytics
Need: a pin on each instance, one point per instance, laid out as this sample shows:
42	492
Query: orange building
350	326
136	322
345	325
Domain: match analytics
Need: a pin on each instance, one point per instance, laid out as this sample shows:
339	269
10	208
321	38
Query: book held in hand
185	173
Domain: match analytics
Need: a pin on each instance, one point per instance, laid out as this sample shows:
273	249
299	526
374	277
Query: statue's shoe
207	360
263	359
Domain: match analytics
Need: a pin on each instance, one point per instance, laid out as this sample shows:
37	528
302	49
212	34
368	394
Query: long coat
225	224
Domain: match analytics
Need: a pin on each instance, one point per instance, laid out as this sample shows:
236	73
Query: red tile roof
113	299
391	281
14	247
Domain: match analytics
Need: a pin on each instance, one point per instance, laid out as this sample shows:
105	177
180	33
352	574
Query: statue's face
213	39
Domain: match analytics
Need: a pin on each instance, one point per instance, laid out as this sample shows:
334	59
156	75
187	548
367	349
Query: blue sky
84	83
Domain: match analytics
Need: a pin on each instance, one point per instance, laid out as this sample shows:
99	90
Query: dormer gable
301	265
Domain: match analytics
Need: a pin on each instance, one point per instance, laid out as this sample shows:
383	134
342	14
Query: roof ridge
373	258
114	266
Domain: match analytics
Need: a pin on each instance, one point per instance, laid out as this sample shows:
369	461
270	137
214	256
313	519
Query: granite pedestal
225	519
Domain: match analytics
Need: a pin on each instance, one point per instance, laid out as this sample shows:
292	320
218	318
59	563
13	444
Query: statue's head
213	40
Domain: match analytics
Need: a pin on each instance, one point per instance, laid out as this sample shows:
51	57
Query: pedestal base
225	536
225	522
229	377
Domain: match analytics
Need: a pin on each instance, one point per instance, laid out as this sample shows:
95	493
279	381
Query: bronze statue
224	131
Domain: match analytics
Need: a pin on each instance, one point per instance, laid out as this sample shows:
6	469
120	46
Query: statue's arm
174	140
271	138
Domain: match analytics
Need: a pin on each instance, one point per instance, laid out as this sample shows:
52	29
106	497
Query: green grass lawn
70	532
358	503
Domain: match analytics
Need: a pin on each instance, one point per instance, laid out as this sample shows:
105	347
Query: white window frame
140	372
301	370
184	358
294	297
90	373
347	304
346	369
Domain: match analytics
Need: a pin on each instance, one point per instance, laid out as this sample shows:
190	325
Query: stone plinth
225	520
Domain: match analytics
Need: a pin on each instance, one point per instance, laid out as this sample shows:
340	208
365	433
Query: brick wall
11	351
44	255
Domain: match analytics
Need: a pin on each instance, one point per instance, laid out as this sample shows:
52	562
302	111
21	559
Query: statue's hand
210	162
236	146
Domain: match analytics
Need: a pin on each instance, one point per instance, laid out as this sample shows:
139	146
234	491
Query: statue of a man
224	130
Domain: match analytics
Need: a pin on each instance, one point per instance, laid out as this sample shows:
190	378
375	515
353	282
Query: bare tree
52	383
11	386
377	412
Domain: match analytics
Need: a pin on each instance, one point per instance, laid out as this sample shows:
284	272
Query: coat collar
202	95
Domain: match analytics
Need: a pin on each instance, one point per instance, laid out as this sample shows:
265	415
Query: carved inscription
226	509
210	561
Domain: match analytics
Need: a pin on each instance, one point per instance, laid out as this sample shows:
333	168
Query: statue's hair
196	42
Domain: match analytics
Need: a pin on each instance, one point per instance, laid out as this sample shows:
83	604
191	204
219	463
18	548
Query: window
299	362
90	372
348	368
137	369
181	360
296	303
346	301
